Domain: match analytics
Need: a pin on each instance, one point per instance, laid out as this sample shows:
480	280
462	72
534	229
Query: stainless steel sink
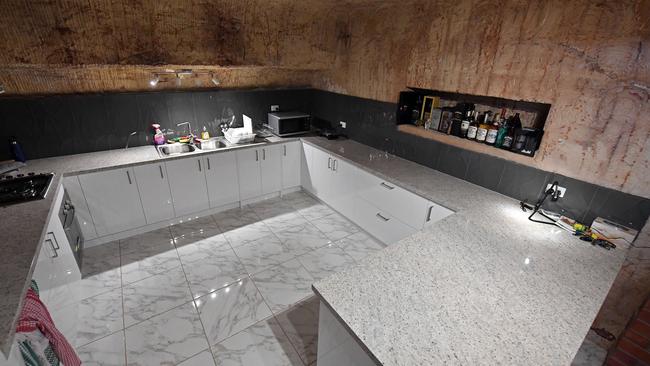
213	143
176	149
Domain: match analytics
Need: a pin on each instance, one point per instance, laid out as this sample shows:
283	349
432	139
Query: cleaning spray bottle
159	136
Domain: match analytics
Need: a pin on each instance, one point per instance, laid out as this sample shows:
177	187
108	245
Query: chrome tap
129	139
189	128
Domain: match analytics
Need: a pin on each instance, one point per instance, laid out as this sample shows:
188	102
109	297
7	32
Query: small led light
527	261
154	81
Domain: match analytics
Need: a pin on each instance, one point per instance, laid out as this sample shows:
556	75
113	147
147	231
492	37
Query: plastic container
235	137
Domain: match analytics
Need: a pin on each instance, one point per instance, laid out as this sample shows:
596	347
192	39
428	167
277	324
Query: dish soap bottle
205	135
16	150
159	136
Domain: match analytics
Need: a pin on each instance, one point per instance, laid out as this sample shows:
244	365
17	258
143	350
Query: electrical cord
551	191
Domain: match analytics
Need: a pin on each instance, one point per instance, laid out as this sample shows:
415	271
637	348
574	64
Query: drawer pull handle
161	173
263	154
285	150
128	175
382	217
334	164
53	240
429	213
383	184
200	165
208	159
257	155
329	163
56	254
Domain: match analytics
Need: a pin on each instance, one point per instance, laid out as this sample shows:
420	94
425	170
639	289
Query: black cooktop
22	188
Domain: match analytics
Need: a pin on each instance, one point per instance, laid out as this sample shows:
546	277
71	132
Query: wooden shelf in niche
533	117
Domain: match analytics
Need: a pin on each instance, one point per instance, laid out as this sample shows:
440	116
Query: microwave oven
289	123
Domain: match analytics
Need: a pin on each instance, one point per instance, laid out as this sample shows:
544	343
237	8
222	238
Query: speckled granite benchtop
23	225
483	286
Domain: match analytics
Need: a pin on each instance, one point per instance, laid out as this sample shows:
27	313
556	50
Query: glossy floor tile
231	309
261	254
166	339
262	344
232	288
325	261
335	226
107	351
154	295
284	284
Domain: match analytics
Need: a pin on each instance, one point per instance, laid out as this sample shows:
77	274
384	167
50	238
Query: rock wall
589	59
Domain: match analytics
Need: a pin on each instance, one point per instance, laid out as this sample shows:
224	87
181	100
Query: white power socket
561	189
343	124
275	108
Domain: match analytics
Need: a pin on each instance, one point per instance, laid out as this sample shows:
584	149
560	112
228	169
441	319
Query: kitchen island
481	286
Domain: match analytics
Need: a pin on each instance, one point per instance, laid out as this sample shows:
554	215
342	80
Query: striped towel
40	343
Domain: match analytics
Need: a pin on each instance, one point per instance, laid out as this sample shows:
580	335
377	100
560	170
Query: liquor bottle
491	136
483	127
456	122
503	131
473	126
464	125
514	123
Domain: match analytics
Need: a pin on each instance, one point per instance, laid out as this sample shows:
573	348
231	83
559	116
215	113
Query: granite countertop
482	286
24	225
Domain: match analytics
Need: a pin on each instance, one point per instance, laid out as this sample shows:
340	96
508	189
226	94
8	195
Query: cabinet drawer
380	223
409	208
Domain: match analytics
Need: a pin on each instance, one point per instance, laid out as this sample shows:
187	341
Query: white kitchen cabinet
113	200
379	223
271	168
82	213
321	174
248	171
154	190
222	178
187	184
342	186
291	164
306	168
56	264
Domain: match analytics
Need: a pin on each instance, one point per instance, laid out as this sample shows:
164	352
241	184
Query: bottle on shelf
514	123
503	131
491	136
464	124
456	122
473	126
483	127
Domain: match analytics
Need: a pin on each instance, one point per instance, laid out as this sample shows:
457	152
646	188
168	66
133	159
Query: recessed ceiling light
154	81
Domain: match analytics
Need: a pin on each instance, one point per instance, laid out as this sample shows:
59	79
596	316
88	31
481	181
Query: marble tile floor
232	288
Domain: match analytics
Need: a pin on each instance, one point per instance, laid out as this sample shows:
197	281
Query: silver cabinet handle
329	163
383	184
128	175
429	213
208	160
161	173
285	150
263	154
335	164
382	217
199	160
56	242
257	155
56	254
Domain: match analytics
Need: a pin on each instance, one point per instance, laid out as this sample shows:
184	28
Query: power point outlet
343	124
275	108
561	189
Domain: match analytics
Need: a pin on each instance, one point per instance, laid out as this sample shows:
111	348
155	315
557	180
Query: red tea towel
35	316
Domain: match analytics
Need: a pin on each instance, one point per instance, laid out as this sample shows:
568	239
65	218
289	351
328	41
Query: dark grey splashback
373	123
71	124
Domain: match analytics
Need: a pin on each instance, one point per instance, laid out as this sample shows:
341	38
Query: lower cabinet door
222	178
291	164
187	184
307	168
248	171
342	186
154	192
271	168
113	200
82	213
321	174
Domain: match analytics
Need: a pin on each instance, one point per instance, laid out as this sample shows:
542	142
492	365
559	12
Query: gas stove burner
23	188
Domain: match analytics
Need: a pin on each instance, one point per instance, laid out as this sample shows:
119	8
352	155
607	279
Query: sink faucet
129	139
189	128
